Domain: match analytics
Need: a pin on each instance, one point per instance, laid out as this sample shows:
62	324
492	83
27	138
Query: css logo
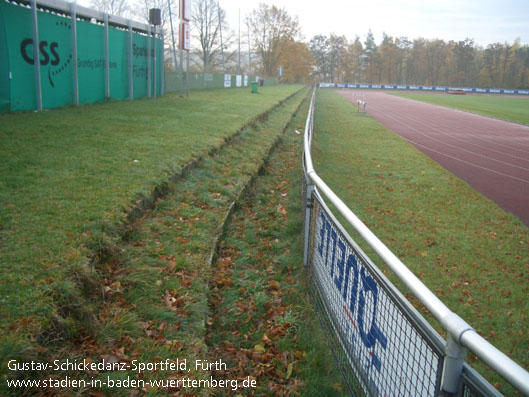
45	52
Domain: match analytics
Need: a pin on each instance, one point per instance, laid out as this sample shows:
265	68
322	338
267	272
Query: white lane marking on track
467	162
476	144
454	146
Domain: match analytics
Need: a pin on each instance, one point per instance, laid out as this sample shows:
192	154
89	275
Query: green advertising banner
119	51
17	74
5	95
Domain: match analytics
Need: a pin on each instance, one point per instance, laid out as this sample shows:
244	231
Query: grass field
261	321
69	176
467	250
507	108
155	292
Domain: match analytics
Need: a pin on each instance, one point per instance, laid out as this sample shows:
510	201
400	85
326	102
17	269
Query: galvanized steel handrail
461	334
113	20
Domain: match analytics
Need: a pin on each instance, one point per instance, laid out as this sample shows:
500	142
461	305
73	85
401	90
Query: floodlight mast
172	34
221	43
239	63
207	38
249	48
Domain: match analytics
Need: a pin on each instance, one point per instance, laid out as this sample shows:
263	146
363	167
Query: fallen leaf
289	370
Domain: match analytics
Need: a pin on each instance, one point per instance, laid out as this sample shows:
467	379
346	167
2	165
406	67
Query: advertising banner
227	80
186	7
380	337
185	36
56	60
426	88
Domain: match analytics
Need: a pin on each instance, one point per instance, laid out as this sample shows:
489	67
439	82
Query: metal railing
382	343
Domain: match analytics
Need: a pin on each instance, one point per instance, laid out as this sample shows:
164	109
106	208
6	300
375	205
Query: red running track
490	155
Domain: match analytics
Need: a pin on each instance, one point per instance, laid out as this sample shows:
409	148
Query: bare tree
112	7
207	21
272	29
319	48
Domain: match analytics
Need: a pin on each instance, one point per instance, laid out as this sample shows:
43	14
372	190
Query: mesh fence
379	346
382	344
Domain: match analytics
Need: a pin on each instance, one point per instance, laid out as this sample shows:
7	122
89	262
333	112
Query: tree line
277	40
269	38
420	62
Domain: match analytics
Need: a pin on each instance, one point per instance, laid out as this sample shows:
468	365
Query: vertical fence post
162	71
36	55
149	66
187	73
453	365
73	16
309	188
180	70
154	59
107	61
131	80
308	204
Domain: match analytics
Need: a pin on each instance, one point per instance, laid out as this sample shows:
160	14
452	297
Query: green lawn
466	249
507	108
69	175
258	300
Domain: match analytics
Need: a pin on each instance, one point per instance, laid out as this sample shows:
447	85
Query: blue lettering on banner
340	265
354	284
369	86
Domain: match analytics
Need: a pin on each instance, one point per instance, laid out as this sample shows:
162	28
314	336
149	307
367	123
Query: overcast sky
486	21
